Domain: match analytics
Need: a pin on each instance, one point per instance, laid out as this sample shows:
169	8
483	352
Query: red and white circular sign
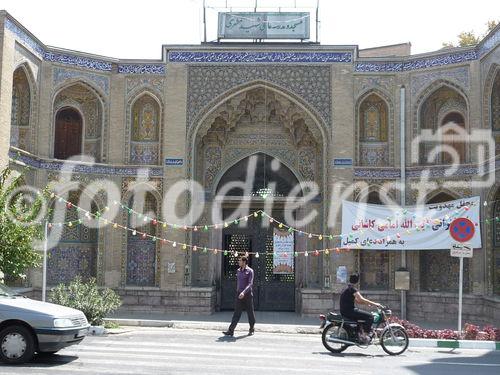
462	229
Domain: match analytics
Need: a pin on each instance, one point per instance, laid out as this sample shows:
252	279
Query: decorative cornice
414	64
185	56
141	68
81	62
416	172
99	169
259	57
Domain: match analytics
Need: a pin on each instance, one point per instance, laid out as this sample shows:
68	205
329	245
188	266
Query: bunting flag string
425	223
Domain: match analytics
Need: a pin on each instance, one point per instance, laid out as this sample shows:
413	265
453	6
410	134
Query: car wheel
17	344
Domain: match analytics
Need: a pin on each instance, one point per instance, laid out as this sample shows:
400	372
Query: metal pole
44	271
204	22
460	286
403	182
317	21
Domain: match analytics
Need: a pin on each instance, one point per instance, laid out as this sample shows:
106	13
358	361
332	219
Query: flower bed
471	332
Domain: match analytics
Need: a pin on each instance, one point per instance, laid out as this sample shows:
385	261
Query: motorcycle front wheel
394	340
333	331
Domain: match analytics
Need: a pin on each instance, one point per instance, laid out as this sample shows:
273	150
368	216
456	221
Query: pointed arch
276	172
315	155
374	128
491	87
84	98
144	128
439	102
22	113
491	104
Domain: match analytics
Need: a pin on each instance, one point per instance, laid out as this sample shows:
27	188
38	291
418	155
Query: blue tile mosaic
254	57
82	62
24	38
414	172
489	43
56	165
141	69
414	64
61	75
259	57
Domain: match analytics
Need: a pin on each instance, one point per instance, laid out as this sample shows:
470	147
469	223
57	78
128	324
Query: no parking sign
462	229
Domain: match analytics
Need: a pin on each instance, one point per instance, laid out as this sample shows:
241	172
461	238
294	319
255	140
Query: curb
220	326
293	329
454	344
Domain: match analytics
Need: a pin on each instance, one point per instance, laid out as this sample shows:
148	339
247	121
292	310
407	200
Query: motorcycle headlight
63	323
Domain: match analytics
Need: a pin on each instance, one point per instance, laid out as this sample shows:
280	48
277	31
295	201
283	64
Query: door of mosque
272	292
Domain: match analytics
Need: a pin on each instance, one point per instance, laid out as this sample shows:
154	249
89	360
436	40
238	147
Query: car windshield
5	291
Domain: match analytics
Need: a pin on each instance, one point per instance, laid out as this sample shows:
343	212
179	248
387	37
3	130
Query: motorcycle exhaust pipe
339	341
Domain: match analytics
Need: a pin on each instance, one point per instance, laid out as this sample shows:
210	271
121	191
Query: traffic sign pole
461	230
460	282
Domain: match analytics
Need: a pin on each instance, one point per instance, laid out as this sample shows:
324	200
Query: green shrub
94	302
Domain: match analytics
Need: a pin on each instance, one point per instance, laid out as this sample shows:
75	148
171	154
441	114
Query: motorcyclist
350	295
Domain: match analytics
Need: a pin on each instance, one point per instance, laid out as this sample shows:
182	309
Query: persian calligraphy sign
424	227
283	245
264	25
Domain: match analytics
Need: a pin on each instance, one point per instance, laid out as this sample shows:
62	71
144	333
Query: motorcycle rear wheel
334	331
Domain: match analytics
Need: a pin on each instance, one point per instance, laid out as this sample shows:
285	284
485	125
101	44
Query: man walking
244	299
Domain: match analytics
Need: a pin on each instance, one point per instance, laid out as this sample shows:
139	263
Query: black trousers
358	314
246	303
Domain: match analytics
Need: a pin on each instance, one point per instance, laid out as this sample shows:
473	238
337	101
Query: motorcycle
339	333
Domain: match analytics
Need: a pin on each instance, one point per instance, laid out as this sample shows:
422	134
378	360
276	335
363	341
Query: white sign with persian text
424	227
460	250
283	249
263	25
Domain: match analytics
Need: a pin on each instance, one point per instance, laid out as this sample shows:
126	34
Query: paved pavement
263	317
173	351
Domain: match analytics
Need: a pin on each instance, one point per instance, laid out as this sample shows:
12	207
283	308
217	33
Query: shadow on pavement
489	363
347	355
231	338
44	361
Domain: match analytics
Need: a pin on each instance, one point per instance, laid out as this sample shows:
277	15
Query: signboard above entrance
263	25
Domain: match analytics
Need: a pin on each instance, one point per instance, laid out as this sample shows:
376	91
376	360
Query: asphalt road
183	351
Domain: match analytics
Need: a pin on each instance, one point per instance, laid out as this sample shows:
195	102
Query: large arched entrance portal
273	290
263	128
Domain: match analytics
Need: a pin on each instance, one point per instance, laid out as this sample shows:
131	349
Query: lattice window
76	252
141	252
374	264
235	242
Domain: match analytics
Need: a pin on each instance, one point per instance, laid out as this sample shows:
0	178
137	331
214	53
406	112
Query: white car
28	326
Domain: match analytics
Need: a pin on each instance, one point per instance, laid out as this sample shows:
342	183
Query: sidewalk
269	321
277	322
